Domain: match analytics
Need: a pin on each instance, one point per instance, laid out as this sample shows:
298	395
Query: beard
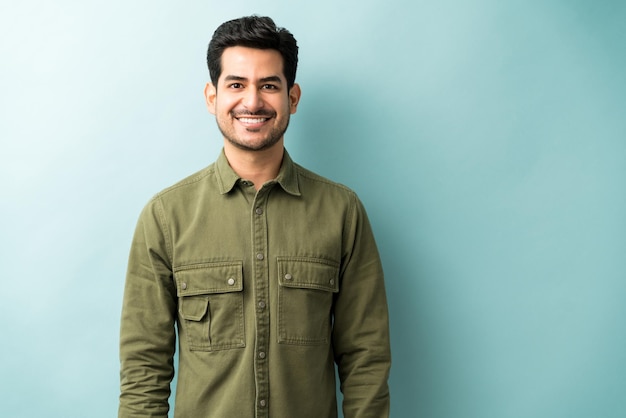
275	134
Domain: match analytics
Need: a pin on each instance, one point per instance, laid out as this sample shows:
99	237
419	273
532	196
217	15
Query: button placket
261	279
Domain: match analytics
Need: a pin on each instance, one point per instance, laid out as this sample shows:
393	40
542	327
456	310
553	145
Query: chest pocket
305	299
210	305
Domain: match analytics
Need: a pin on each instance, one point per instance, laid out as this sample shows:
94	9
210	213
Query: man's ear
210	94
294	98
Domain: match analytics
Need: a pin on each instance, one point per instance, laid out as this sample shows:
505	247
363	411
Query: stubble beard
269	141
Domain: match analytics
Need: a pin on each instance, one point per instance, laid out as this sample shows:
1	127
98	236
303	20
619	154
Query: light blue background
487	140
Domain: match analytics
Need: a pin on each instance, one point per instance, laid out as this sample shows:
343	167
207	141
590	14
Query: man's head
252	92
253	32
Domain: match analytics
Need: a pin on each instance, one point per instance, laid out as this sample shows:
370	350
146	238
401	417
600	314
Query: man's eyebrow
272	78
234	78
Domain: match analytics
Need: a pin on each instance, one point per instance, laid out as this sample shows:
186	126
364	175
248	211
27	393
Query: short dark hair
253	32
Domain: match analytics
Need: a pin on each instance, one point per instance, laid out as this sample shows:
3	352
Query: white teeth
252	120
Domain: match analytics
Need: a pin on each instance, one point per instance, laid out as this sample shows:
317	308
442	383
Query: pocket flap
194	309
308	273
207	278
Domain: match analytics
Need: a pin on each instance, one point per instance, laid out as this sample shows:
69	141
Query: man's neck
258	167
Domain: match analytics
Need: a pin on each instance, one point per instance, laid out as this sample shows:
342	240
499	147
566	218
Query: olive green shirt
267	290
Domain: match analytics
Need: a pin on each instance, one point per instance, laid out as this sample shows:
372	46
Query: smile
252	120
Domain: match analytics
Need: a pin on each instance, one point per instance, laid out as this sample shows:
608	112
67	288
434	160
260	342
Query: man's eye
235	85
269	87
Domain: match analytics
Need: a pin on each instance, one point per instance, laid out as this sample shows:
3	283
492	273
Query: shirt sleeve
147	332
361	326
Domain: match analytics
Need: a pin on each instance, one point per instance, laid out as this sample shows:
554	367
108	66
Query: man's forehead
245	58
250	64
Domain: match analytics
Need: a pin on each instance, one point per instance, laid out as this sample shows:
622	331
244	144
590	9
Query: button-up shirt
265	290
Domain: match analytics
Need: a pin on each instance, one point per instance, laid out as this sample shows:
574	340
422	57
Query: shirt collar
287	175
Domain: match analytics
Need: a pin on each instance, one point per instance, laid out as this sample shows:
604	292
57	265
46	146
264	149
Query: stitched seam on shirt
207	264
313	260
316	177
352	212
194	178
169	245
234	266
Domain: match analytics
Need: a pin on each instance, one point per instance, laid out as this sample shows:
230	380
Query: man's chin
254	146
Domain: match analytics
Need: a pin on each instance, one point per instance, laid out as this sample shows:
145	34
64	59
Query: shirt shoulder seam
310	175
194	178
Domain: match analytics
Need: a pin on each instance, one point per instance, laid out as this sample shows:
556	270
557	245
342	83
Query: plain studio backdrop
486	138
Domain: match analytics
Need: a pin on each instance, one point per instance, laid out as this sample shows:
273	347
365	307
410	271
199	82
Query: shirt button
259	256
288	276
262	402
183	285
262	354
258	211
262	305
231	281
332	281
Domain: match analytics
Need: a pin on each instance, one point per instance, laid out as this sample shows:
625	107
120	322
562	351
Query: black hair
253	32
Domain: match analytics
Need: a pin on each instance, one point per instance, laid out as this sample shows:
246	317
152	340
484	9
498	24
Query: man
269	272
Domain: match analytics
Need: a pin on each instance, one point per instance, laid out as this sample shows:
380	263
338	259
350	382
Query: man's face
251	101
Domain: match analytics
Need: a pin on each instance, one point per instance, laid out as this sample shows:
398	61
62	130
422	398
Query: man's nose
253	100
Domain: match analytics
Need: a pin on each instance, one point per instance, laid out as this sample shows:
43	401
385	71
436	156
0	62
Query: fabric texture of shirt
266	289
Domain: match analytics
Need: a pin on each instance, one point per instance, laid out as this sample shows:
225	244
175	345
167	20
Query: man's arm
361	326
147	335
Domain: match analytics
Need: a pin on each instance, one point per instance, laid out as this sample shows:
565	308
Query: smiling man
254	99
269	272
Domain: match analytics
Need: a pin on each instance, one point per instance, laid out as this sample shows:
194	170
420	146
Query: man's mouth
252	121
